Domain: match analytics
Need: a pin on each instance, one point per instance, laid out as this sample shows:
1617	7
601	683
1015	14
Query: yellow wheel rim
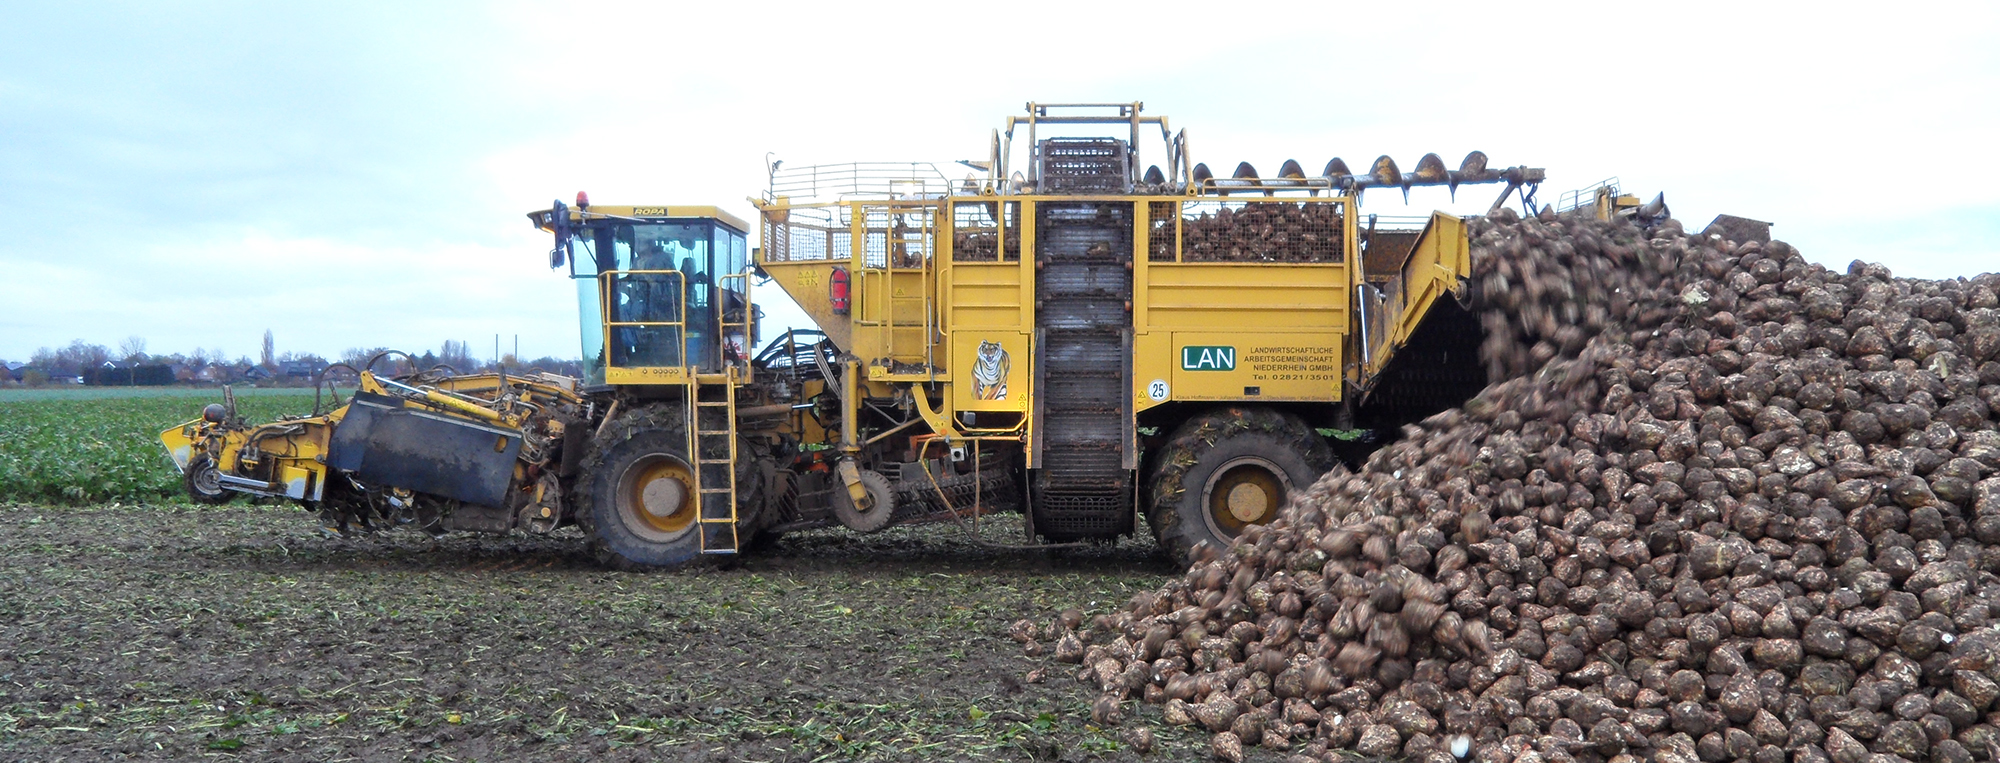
1245	491
656	496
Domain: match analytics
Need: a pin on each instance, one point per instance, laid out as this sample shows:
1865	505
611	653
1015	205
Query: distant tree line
81	362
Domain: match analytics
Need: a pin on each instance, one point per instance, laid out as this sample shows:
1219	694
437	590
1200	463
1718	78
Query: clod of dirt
1105	711
1139	738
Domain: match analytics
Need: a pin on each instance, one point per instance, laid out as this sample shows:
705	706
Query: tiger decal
989	373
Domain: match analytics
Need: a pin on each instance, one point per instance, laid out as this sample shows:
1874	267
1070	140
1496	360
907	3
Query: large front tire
1225	470
639	503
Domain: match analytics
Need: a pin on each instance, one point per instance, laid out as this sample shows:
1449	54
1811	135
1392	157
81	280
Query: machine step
715	539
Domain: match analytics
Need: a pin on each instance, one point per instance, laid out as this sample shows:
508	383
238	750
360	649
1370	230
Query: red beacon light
582	200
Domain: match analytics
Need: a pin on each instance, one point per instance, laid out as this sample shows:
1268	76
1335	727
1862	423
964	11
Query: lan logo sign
1197	358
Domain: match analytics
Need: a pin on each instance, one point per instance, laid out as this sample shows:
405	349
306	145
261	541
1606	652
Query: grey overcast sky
355	174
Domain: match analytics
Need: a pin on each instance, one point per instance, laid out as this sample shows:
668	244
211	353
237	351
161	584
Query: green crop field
93	445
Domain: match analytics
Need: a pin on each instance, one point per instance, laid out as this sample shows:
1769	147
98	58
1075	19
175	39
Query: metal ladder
718	528
917	243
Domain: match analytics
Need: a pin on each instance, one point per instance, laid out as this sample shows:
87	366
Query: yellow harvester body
1070	337
1201	330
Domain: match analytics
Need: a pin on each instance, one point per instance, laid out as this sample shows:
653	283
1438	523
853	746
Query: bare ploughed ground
239	632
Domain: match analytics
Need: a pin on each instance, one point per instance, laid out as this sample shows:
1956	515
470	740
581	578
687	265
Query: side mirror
559	220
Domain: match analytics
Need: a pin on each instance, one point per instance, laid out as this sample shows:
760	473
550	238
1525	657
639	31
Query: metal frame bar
604	311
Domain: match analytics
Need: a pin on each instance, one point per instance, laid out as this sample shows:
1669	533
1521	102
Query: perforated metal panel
1085	165
1081	486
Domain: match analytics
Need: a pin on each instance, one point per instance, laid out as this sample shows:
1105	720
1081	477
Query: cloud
355	175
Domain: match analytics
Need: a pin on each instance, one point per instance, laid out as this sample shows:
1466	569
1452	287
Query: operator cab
661	291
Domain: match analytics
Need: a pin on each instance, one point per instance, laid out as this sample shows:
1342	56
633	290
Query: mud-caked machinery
1073	334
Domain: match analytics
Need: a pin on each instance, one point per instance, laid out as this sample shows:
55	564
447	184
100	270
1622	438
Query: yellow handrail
604	304
723	323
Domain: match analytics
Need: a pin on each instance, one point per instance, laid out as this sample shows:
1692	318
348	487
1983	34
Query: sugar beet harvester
1069	337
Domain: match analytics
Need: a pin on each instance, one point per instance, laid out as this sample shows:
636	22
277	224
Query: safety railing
824	183
646	342
799	234
737	342
986	231
1584	196
900	244
826	232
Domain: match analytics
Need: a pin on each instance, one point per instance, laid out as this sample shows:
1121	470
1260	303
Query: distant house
252	373
15	371
107	373
300	369
114	373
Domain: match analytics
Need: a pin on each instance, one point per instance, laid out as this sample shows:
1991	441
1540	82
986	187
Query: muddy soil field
150	632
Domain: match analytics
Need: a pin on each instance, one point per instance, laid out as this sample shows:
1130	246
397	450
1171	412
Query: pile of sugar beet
1719	504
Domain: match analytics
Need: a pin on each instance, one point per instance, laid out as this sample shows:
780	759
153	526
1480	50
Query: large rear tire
1225	470
638	502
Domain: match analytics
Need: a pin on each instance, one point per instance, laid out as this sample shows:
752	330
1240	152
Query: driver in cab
656	297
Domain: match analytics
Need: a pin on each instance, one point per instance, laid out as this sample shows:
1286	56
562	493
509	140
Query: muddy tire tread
659	417
1196	436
